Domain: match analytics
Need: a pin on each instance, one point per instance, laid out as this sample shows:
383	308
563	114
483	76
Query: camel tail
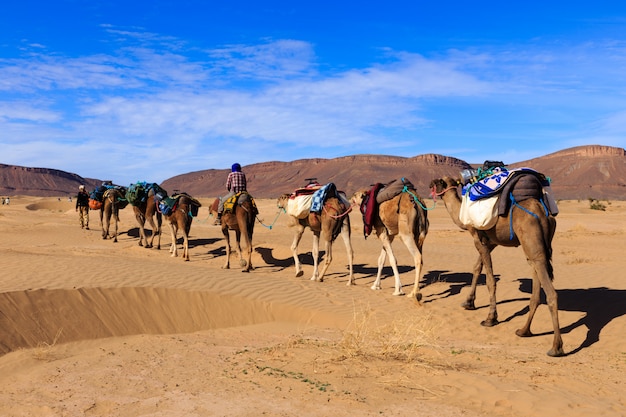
251	218
548	234
549	228
421	225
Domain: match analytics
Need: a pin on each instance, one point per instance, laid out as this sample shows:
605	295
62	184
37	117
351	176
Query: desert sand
89	327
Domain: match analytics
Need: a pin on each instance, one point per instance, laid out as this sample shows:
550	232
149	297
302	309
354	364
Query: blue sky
145	90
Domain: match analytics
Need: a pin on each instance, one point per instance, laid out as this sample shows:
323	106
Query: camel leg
248	263
153	226
116	219
141	220
471	297
541	279
328	258
492	316
158	232
238	247
226	234
532	307
104	221
387	241
345	235
416	253
316	254
173	248
185	245
552	299
381	264
294	250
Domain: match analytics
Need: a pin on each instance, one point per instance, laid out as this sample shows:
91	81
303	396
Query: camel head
441	185
282	201
358	197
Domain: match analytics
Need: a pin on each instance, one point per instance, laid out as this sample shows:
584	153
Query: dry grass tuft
44	350
400	338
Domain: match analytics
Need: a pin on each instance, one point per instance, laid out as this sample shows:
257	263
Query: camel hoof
556	353
299	274
468	305
522	333
398	293
417	297
350	283
376	287
489	323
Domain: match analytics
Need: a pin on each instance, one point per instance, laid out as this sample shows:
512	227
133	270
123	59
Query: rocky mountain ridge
593	171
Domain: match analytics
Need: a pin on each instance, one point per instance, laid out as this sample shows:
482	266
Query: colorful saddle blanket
239	198
369	208
320	196
493	184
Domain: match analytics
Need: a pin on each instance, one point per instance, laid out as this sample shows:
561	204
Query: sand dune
95	328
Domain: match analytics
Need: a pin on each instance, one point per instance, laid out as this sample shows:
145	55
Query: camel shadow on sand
456	282
305	258
601	305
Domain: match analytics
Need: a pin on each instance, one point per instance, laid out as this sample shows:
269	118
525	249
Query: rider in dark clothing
82	207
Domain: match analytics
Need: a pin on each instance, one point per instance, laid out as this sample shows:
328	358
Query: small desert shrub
399	339
596	205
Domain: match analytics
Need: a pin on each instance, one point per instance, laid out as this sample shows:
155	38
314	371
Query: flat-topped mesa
437	159
590	151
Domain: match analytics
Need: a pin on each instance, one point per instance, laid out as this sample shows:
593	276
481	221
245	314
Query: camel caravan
497	206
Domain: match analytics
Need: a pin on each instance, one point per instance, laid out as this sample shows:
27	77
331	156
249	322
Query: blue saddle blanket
320	196
492	185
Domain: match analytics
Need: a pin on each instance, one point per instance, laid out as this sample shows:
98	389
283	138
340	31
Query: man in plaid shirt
235	183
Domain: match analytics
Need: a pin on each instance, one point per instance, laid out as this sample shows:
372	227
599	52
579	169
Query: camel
533	228
146	210
332	221
180	218
241	220
404	216
113	201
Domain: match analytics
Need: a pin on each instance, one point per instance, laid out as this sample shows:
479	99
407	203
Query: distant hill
43	182
271	179
584	172
592	171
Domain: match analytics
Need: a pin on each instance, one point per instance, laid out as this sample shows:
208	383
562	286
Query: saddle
167	205
492	196
238	199
378	194
122	202
138	193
